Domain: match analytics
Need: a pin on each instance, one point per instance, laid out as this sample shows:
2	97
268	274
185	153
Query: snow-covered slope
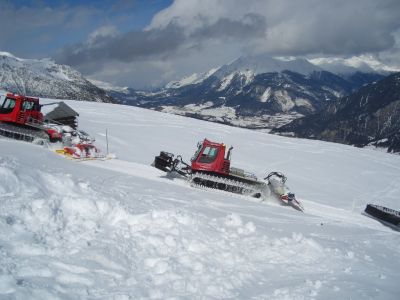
44	78
121	229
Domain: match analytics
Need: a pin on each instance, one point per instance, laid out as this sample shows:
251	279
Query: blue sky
146	43
128	14
50	25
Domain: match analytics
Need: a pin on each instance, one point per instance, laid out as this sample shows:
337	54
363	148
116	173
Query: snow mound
67	233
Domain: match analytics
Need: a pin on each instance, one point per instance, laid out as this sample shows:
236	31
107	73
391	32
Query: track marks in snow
325	212
329	214
134	169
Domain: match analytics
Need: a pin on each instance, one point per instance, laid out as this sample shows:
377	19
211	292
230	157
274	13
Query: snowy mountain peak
108	86
191	79
45	78
45	65
248	67
8	54
263	63
266	64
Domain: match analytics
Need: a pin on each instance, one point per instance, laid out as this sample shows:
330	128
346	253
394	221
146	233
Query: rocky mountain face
370	116
257	93
44	78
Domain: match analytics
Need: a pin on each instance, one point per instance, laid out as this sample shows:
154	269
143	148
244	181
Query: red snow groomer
20	109
21	118
211	168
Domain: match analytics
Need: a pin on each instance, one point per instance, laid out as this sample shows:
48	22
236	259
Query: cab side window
27	105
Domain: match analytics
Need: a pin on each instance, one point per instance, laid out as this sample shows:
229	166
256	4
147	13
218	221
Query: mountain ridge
369	117
264	90
45	78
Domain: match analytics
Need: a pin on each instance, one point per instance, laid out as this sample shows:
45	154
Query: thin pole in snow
107	139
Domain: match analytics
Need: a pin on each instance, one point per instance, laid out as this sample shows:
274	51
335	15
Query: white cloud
297	27
102	32
194	36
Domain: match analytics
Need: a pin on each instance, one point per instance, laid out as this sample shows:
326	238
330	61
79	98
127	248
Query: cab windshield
209	154
7	106
199	146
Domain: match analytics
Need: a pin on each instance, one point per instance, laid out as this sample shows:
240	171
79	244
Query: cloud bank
194	36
